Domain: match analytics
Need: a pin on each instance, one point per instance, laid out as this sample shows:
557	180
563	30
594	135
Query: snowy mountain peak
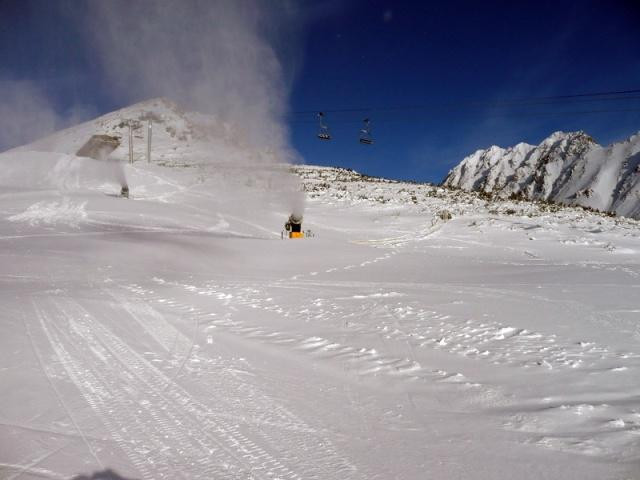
156	103
570	142
560	135
567	167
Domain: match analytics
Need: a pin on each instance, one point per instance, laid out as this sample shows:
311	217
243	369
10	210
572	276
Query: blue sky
454	61
386	54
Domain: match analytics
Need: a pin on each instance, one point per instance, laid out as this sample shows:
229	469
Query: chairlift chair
323	131
365	133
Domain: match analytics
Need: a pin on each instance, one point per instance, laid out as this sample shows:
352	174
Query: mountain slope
177	136
566	167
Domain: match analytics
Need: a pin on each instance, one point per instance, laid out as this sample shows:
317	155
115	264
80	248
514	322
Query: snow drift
32	170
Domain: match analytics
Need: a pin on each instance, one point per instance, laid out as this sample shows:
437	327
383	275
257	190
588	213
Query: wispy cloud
27	113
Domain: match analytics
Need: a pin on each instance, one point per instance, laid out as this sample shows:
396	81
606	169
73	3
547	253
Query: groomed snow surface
176	336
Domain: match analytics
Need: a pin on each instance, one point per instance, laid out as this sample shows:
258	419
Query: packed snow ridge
565	168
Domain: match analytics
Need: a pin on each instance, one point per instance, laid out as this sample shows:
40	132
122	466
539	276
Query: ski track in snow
613	425
245	433
157	423
242	401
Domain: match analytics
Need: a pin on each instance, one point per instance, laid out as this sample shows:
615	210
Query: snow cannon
124	191
293	226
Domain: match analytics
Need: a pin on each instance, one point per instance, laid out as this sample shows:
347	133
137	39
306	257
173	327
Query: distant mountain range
565	168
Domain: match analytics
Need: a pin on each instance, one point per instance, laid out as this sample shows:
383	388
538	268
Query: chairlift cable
616	95
487	115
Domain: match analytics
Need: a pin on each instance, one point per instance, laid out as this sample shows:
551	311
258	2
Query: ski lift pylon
365	133
323	131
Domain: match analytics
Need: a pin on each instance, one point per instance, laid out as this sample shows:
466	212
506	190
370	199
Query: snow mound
45	170
48	213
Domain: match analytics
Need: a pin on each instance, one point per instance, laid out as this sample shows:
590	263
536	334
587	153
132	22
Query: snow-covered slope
174	335
566	167
245	175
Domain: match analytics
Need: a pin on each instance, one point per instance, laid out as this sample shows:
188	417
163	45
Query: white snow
175	335
64	211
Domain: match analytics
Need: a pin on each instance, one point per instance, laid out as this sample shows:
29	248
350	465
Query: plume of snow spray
26	113
218	57
214	57
115	170
209	56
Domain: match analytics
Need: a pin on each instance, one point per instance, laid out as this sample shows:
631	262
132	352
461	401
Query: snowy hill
419	331
566	168
177	136
247	177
